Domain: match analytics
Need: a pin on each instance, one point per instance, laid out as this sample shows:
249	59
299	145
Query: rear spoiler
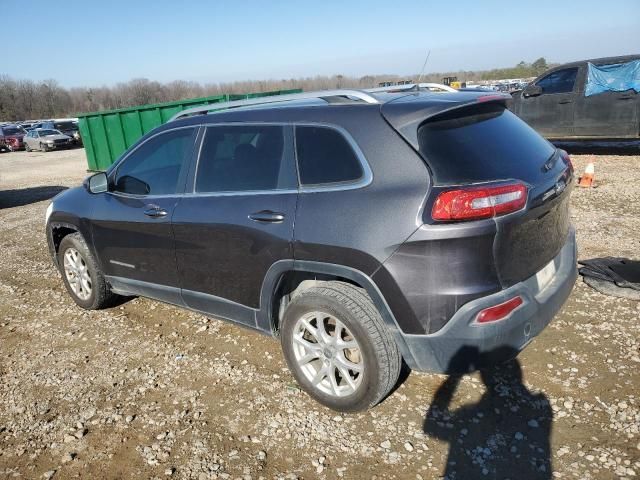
405	114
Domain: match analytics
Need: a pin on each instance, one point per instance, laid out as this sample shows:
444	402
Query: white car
46	139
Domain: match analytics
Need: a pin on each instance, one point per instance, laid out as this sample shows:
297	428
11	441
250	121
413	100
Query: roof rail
411	86
323	94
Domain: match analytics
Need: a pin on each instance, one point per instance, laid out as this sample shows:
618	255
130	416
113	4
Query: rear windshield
12	131
484	143
47	132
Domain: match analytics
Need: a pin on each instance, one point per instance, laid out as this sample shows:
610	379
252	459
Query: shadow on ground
599	147
27	196
503	435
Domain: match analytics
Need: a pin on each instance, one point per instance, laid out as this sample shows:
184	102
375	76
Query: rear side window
561	81
325	156
157	165
483	143
245	158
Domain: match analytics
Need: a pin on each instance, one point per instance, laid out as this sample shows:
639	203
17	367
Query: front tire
81	276
43	147
338	348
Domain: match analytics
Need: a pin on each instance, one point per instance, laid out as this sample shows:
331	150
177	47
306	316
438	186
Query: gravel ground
146	390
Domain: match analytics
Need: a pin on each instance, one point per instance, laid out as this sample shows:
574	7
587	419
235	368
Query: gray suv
364	229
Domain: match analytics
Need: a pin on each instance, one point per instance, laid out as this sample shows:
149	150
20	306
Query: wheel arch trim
52	225
276	272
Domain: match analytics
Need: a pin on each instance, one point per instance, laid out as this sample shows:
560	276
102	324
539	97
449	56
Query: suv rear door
551	112
237	219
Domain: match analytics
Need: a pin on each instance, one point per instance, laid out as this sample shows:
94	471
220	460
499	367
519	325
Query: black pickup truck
555	104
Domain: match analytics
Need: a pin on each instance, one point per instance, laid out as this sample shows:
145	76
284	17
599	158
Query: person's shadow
503	435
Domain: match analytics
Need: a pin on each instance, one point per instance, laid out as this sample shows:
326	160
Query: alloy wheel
77	274
328	354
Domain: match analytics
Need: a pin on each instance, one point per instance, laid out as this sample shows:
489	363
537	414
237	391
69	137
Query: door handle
564	102
155	211
267	216
625	97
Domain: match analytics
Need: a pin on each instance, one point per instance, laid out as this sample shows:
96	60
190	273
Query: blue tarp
618	77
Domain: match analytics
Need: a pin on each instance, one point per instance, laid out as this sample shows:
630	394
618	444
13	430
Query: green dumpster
109	133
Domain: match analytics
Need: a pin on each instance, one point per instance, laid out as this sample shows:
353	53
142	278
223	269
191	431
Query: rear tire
338	348
81	276
27	147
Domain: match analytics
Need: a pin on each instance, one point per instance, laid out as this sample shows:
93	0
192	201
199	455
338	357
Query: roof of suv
404	107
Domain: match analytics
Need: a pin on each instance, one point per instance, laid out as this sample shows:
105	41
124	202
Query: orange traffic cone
587	179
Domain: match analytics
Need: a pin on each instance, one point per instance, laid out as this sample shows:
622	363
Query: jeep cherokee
363	229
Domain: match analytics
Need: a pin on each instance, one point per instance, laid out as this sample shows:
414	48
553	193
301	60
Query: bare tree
25	99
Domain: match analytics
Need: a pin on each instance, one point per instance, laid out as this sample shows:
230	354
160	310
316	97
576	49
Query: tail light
566	158
475	203
500	311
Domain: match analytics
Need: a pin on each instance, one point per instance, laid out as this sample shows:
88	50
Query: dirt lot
146	390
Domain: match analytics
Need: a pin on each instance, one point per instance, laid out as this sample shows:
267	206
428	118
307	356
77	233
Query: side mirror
532	91
98	183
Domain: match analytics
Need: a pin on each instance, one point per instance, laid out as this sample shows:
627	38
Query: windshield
47	132
12	131
65	126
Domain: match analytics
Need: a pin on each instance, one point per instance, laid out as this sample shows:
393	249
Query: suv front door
551	112
131	224
237	219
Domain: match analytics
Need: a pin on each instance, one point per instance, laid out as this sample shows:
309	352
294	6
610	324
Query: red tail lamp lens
498	312
479	202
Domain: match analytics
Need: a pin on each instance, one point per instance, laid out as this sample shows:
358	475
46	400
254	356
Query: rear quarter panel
361	228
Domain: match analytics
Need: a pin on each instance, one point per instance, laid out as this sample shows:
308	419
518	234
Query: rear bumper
15	145
461	345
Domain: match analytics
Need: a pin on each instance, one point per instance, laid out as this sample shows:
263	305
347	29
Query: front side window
561	81
156	166
325	156
241	158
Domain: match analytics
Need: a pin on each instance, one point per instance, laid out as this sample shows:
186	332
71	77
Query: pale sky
82	43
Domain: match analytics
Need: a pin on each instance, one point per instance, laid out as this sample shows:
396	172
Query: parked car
67	127
362	229
27	125
34	126
555	104
46	139
11	136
